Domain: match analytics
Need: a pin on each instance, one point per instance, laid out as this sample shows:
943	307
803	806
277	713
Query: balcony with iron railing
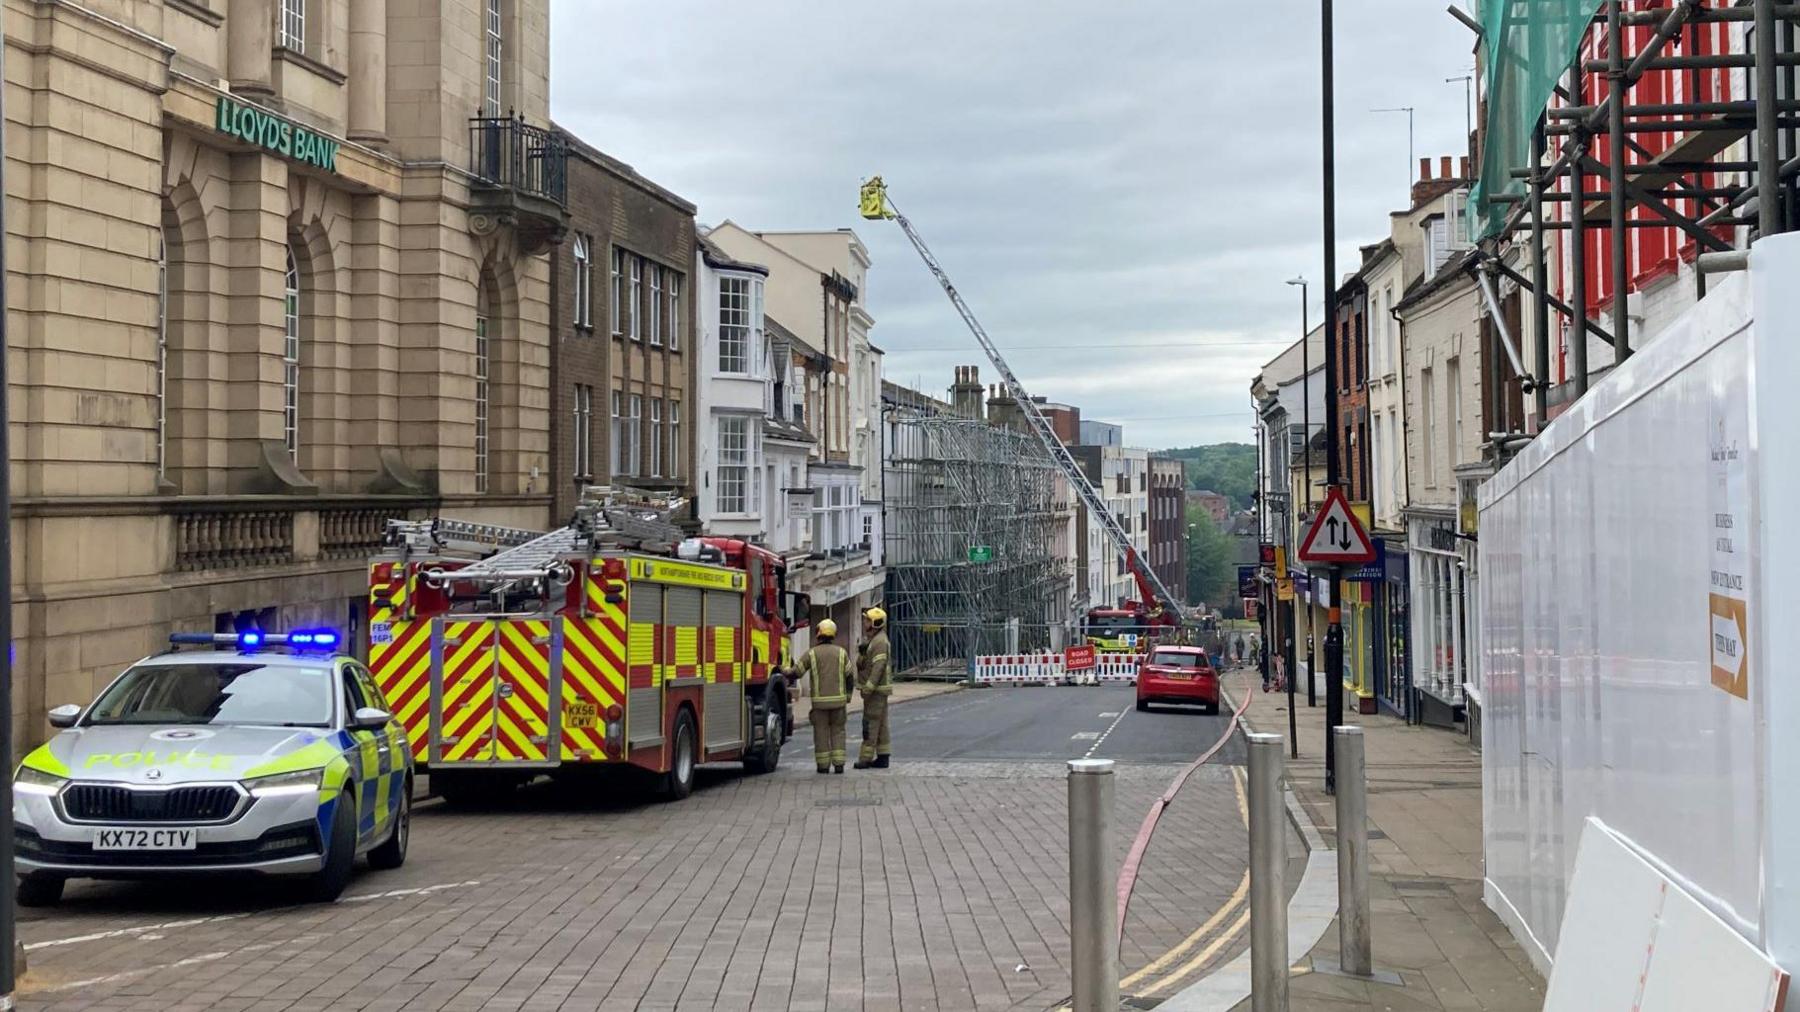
521	180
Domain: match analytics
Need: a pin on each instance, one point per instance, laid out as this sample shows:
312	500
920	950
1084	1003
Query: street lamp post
1312	698
1334	629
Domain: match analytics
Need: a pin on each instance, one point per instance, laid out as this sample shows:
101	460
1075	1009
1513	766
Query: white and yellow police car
258	752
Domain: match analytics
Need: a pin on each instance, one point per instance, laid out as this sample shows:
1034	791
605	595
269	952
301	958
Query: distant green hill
1222	467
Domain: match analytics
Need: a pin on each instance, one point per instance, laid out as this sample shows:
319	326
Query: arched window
290	357
484	370
162	354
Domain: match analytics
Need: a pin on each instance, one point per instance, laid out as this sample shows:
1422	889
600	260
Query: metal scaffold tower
974	513
1610	125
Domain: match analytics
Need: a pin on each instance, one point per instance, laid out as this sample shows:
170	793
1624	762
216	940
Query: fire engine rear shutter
684	617
723	671
643	700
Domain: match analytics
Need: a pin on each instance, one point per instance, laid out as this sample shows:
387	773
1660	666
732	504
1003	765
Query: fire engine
1134	626
614	641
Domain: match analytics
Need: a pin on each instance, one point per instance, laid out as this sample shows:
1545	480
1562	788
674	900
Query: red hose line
1129	871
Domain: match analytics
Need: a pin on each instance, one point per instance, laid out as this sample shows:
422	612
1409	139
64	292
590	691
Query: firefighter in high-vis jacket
830	672
876	682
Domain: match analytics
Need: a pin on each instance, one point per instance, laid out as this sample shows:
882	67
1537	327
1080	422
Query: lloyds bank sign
272	132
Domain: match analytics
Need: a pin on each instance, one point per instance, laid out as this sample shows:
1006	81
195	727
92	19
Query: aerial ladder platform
876	206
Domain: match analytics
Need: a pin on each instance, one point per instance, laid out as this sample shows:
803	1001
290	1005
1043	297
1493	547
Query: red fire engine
614	640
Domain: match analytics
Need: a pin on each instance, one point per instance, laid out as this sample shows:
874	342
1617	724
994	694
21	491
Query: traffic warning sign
1335	534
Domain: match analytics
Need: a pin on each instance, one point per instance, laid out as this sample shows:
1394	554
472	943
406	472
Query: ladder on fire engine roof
439	534
608	517
877	206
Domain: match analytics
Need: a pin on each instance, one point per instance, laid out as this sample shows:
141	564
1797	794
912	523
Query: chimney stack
1430	187
965	396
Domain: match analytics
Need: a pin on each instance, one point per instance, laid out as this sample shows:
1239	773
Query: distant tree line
1229	468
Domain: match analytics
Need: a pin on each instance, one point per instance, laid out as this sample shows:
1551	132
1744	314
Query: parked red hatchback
1178	675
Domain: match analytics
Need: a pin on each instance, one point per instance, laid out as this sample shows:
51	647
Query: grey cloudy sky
1118	189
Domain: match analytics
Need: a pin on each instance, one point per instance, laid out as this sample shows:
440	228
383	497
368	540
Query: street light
1306	480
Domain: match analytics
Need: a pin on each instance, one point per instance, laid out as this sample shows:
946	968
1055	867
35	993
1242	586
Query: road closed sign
1336	536
1079	658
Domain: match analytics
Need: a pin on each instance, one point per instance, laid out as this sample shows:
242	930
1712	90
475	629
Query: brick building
1216	504
1168	523
622	359
1351	335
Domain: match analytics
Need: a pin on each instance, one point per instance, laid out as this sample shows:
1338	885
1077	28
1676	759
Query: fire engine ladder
439	534
877	206
608	517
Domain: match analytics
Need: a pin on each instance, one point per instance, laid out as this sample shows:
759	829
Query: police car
260	753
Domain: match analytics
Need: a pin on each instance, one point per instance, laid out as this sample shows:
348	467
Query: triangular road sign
1335	535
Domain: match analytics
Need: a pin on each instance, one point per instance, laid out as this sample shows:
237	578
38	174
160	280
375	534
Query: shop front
1393	677
1439	663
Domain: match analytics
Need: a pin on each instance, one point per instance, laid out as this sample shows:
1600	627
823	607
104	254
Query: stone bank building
277	271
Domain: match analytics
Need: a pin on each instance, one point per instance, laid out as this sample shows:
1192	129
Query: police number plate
144	839
580	714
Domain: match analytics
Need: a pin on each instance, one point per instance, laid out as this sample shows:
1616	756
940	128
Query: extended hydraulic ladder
876	206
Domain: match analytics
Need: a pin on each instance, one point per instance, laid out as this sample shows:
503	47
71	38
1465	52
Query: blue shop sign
1372	571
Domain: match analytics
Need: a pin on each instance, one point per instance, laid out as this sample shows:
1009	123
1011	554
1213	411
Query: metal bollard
1093	911
1268	856
1354	955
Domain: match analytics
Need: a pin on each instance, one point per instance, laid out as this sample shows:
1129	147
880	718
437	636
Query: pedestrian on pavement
876	684
1239	643
830	671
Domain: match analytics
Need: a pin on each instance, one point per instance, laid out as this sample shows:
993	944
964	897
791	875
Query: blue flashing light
324	639
252	640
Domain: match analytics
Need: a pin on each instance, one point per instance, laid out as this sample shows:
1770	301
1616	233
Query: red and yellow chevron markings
522	715
468	696
400	654
593	680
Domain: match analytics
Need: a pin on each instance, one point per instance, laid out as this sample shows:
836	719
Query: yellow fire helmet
877	616
827	629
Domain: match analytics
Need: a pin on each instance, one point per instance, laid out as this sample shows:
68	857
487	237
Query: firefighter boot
863	764
881	761
824	769
839	768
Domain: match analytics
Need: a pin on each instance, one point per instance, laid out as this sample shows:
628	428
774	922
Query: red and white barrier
1050	669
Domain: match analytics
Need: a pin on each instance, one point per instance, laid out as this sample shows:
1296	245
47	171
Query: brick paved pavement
927	886
1428	921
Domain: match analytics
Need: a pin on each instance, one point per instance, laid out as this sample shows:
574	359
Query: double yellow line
1173	966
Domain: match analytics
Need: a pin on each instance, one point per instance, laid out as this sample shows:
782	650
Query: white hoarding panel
1634	941
1618	626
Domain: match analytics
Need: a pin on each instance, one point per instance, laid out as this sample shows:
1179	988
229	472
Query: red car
1178	675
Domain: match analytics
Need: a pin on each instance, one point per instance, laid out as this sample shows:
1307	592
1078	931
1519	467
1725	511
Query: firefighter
830	674
876	684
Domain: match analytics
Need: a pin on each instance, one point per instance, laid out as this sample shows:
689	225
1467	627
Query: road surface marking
1200	933
113	978
1085	736
1109	713
1226	938
100	936
420	891
165	926
1102	739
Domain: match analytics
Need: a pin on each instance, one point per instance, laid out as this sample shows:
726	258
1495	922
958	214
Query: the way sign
981	553
1335	535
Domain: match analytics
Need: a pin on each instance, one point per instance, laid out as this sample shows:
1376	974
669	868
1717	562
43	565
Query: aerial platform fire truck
1134	626
614	641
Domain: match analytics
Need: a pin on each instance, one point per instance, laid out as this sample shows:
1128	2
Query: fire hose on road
1128	872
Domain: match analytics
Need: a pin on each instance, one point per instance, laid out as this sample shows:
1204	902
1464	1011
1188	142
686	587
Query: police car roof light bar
253	639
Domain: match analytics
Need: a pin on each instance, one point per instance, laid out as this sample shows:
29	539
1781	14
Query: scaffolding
974	515
1666	115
